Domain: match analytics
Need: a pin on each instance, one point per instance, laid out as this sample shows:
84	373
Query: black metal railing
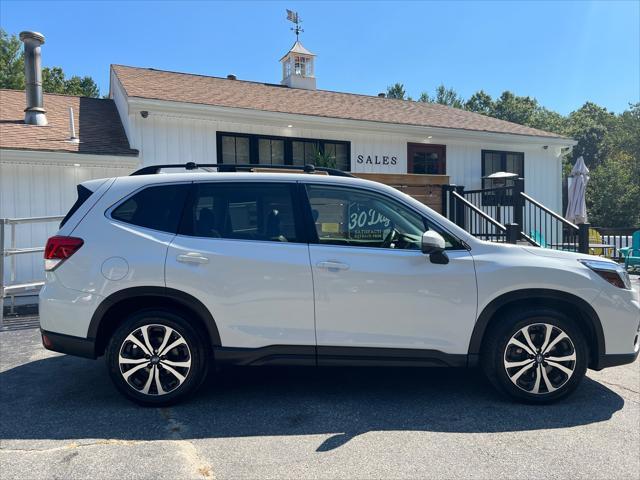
507	214
470	217
498	202
545	228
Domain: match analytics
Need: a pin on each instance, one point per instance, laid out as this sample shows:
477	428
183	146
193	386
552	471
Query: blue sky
562	53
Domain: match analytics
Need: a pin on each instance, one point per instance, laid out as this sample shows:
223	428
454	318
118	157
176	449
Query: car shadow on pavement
64	397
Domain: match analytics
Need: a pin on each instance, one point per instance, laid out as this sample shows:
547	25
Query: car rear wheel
157	358
535	356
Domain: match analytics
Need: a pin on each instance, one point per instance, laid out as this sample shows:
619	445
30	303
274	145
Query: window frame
312	234
298	216
254	149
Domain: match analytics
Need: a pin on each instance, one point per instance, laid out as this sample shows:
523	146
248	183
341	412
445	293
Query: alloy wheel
540	358
154	359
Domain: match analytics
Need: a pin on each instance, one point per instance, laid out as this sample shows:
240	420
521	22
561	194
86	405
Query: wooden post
583	237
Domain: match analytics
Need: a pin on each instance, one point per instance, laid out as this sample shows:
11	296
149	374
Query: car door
239	251
374	287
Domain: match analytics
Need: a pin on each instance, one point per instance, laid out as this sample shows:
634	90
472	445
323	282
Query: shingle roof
298	48
97	122
198	89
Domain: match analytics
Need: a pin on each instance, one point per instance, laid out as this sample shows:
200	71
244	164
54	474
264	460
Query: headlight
612	272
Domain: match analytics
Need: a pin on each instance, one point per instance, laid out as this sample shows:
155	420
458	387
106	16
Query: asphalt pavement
60	417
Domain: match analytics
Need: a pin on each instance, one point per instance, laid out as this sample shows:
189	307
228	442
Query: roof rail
222	167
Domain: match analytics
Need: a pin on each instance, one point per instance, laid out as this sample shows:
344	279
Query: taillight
58	249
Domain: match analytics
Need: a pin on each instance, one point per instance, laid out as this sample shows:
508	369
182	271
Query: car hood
562	255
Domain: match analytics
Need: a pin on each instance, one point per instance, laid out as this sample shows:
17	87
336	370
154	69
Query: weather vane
296	20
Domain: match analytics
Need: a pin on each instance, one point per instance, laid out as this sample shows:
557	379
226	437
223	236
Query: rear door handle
192	257
331	265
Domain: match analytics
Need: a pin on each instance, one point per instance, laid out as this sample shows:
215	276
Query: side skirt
302	355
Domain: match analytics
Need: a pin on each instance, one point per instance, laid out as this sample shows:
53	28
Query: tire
529	375
154	377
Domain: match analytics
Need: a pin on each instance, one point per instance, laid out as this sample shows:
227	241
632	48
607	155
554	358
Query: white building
171	117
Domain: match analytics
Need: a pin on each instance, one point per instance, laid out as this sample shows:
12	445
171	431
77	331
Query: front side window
359	218
242	211
158	207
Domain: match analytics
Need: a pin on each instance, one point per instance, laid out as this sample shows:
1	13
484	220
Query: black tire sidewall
493	354
199	356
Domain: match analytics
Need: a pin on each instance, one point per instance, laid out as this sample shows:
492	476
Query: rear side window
242	211
83	195
158	207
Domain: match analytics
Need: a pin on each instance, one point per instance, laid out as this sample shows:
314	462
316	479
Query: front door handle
331	265
192	257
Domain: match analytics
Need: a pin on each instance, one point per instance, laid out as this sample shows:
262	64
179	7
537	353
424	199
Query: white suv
165	274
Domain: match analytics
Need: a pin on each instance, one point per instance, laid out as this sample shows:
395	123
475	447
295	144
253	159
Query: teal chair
632	254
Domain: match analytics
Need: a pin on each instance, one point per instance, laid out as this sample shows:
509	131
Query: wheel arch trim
534	294
181	298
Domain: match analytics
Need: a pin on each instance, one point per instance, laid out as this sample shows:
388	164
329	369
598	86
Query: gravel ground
60	417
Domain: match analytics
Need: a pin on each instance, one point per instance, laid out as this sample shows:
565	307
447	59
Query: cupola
298	68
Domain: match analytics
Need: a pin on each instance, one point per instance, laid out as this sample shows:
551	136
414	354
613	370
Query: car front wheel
156	358
536	357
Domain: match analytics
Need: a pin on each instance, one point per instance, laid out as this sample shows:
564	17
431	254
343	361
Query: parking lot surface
62	418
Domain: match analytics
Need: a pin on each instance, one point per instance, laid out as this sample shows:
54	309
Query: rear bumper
58	342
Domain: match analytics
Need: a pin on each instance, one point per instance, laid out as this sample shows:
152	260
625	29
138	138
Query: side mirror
432	242
433	245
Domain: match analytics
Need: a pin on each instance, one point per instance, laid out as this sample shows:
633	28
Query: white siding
174	139
35	190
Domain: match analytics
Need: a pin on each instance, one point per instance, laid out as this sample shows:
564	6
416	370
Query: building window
426	159
496	161
235	149
270	152
267	150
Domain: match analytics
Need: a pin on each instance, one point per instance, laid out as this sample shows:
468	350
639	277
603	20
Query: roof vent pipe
72	128
231	76
34	114
381	95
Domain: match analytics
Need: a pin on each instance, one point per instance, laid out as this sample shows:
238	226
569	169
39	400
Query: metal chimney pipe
34	114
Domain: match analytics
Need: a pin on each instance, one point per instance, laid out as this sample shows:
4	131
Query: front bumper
58	342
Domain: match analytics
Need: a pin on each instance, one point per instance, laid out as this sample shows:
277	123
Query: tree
396	91
11	62
589	125
513	108
480	102
613	195
53	78
443	96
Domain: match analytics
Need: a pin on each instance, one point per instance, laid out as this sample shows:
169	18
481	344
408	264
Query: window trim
298	217
254	150
313	234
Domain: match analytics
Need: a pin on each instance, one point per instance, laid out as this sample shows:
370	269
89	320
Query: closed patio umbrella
577	205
